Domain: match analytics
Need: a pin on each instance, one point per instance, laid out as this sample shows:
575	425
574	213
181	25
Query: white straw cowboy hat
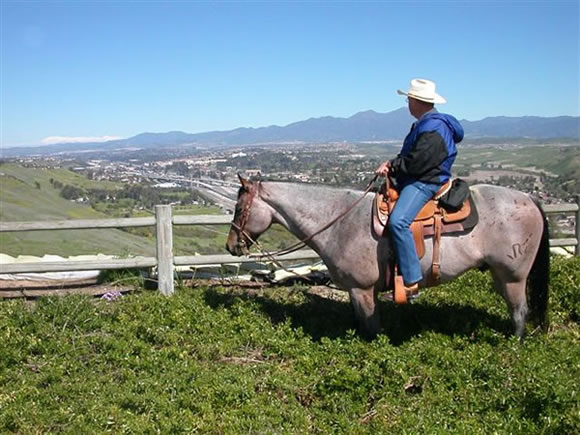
424	90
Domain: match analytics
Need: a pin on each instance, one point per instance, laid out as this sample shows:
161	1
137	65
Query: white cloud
51	140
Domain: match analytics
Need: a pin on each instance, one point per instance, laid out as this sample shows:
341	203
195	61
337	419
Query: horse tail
539	277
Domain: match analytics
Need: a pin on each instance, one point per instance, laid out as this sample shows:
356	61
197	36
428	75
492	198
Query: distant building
168	185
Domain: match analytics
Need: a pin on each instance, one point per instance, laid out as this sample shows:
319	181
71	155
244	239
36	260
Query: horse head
252	217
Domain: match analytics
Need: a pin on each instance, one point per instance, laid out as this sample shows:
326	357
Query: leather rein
241	226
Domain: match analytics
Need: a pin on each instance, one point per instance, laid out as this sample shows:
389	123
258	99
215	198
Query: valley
130	184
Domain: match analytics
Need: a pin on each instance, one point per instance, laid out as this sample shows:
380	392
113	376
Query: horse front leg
366	311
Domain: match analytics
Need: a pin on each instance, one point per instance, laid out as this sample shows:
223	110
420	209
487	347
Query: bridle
244	237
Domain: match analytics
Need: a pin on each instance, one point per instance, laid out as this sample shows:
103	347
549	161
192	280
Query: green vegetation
22	200
285	360
558	160
557	166
331	165
28	194
48	192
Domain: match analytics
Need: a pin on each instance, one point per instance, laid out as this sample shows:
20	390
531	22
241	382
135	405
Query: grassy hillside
568	163
26	194
555	159
286	360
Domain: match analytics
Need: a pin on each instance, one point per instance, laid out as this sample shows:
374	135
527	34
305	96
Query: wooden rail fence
166	261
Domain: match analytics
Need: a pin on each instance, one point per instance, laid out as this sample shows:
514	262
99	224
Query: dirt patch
63	290
23	289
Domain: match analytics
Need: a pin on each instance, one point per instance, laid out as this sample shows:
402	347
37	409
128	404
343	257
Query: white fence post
164	238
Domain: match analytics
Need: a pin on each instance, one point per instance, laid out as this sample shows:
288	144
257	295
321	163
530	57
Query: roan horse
511	240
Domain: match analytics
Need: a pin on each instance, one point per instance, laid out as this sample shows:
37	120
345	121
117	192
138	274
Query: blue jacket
429	150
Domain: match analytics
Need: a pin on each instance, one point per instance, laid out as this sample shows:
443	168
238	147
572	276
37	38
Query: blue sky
120	68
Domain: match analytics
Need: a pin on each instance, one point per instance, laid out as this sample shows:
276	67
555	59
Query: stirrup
403	294
409	294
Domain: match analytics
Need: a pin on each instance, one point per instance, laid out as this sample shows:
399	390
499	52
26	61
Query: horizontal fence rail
144	262
165	261
560	208
70	266
77	224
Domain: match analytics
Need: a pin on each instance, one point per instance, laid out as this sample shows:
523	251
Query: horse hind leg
514	294
366	311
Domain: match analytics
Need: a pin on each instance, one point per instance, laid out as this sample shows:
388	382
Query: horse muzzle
236	245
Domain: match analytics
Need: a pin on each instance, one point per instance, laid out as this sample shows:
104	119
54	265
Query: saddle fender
432	220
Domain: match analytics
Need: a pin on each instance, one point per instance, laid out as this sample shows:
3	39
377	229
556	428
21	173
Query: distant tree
37	185
71	192
179	168
99	195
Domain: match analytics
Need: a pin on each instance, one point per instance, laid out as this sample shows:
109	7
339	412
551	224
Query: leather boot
402	293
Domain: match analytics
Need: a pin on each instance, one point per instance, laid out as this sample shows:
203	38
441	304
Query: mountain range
360	127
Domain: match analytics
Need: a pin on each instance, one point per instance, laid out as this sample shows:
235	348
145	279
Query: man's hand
383	170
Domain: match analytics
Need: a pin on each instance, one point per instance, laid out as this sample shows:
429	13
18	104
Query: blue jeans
411	199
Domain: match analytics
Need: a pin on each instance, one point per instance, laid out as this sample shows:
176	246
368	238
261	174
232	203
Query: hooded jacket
429	150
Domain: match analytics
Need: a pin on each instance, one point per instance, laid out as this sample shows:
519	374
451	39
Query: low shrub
288	360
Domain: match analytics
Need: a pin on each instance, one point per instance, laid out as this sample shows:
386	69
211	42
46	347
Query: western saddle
432	220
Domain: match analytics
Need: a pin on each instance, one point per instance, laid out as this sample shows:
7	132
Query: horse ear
246	184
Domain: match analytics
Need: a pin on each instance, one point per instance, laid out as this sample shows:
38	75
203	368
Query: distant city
211	174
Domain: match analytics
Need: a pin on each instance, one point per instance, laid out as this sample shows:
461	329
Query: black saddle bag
456	196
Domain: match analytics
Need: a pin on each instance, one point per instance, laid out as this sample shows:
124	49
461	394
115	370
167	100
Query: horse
511	240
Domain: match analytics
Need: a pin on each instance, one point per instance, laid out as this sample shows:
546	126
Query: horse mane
313	188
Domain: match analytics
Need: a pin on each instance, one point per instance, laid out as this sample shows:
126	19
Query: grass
285	360
561	160
21	200
210	239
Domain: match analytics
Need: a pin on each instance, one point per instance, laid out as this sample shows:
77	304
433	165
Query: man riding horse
422	167
511	238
